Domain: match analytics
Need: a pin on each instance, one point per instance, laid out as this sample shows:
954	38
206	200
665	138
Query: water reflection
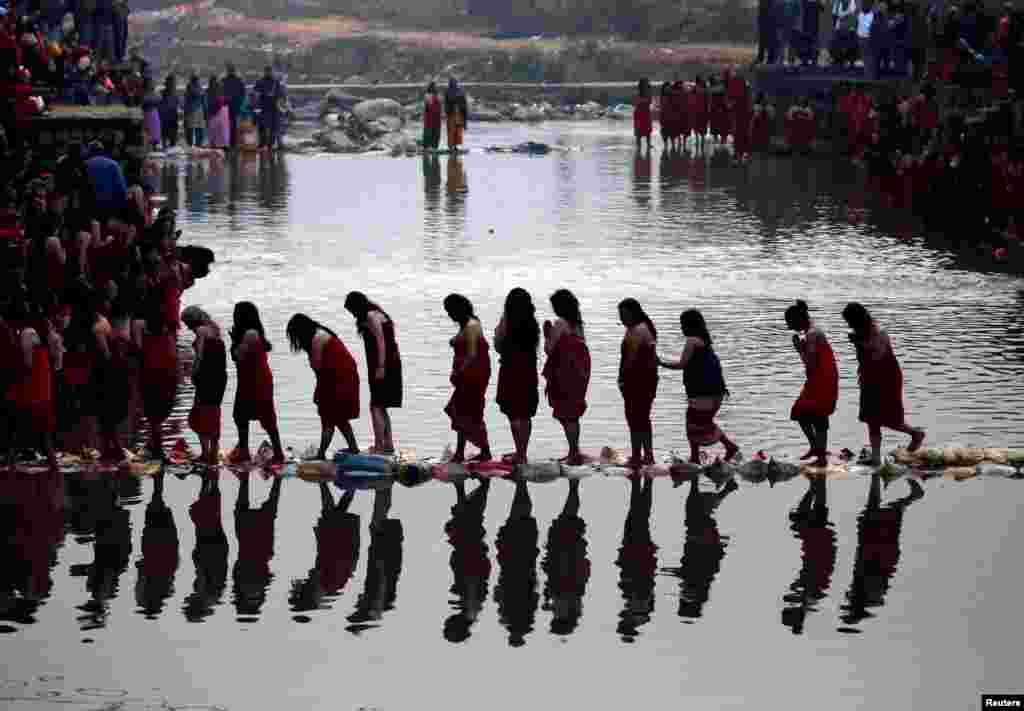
471	566
160	556
254	529
383	566
810	524
210	554
516	591
111	531
566	565
32	525
637	561
878	551
337	554
703	549
642	178
456	188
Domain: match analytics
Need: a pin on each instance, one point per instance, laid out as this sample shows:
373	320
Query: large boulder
338	101
373	109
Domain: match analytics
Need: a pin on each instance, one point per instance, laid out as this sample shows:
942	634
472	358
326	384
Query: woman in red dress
719	115
210	377
383	366
254	398
567	369
666	116
680	114
337	379
698	110
817	400
159	375
638	378
471	372
30	392
642	121
881	381
761	125
516	339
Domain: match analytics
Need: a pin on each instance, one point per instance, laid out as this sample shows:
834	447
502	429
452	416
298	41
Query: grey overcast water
913	604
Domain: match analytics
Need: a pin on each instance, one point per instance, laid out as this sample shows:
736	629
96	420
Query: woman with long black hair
471	373
254	398
383	366
516	338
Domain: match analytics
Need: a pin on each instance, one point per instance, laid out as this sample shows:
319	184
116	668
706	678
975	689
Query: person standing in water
516	338
705	386
567	369
383	366
210	377
471	372
642	121
431	118
817	400
337	379
254	398
456	110
638	378
881	381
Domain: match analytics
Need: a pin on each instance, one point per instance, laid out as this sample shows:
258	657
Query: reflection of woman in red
471	372
566	565
818	397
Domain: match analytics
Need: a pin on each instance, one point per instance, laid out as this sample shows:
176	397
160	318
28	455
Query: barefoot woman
471	372
210	377
881	381
383	366
818	397
638	378
705	386
516	338
567	369
254	398
337	379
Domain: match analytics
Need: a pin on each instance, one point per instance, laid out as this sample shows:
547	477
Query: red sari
567	371
639	386
466	406
642	121
697	106
821	390
881	390
254	398
337	385
518	384
32	393
760	129
159	375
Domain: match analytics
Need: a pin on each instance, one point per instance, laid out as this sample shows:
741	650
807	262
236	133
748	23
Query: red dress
159	375
719	116
642	122
466	406
697	105
337	385
821	390
567	371
680	110
254	398
517	384
881	390
760	129
639	386
741	126
32	393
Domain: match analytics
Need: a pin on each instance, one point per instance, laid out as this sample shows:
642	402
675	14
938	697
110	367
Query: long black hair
459	308
247	318
633	307
798	316
301	329
522	332
693	324
858	317
357	304
567	307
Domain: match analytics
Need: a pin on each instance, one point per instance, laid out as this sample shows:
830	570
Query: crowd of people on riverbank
90	300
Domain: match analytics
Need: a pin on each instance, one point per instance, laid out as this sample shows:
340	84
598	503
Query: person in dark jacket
456	111
269	92
233	88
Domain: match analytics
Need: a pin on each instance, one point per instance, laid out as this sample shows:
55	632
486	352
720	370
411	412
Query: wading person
567	369
383	366
471	372
337	379
642	121
431	118
210	377
254	398
881	381
704	384
817	400
638	378
516	339
456	111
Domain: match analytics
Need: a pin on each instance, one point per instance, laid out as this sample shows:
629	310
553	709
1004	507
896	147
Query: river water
588	603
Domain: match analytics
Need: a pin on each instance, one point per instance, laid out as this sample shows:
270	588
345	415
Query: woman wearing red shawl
471	373
567	369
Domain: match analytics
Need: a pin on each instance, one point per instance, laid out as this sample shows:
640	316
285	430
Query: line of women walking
567	371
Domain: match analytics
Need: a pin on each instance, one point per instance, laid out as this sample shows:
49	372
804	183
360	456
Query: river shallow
913	602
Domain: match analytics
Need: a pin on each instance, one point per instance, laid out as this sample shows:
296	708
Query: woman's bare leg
731	448
521	430
875	438
243	440
916	436
572	437
275	441
326	435
460	448
383	440
350	436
